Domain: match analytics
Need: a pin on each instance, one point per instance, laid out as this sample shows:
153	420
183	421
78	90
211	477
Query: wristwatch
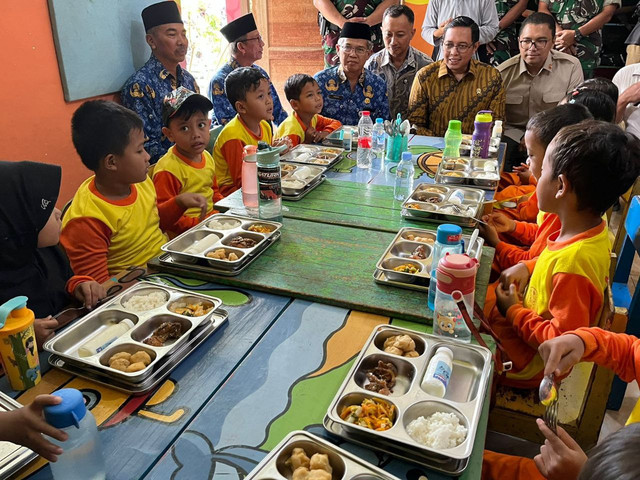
577	35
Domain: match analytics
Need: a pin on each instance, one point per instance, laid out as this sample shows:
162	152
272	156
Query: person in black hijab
31	262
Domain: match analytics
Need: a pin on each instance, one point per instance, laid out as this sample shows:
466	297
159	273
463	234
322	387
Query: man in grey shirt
441	12
399	62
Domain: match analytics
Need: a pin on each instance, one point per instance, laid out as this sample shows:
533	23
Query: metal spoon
548	393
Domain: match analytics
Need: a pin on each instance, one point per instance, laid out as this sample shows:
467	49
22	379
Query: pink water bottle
250	178
455	271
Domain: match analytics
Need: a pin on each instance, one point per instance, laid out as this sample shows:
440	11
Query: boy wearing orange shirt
248	91
113	221
187	166
305	124
585	168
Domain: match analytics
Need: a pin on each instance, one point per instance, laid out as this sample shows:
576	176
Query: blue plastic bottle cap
406	156
69	412
379	120
449	234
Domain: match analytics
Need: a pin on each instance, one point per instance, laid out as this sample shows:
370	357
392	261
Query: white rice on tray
144	302
439	430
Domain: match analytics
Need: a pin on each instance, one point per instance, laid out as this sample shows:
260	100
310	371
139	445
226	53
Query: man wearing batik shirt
246	48
144	90
399	62
348	88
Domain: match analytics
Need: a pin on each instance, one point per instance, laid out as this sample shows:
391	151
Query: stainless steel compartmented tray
66	343
216	238
345	465
428	201
308	189
319	155
333	139
296	177
464	397
163	368
12	457
481	173
400	249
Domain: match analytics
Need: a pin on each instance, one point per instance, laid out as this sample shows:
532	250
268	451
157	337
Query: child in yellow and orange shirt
248	91
187	166
305	124
113	221
585	169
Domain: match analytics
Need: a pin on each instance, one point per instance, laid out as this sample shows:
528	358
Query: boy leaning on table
113	221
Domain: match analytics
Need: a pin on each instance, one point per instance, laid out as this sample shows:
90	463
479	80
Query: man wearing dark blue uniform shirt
348	88
144	90
246	48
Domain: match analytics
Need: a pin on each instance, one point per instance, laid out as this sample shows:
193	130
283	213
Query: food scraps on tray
166	331
420	253
372	413
382	378
304	468
261	228
126	362
221	254
196	309
418	238
440	430
402	345
242	242
406	268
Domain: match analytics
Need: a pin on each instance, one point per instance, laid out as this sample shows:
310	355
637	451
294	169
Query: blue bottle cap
68	412
379	120
449	234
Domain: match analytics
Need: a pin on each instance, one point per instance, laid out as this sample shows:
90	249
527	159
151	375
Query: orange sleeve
325	124
167	188
74	281
295	139
525	232
617	351
528	210
499	466
170	213
86	242
232	154
508	255
574	303
533	180
217	196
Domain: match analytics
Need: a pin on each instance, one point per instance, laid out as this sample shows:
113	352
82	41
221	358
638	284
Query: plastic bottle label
454	238
442	373
269	183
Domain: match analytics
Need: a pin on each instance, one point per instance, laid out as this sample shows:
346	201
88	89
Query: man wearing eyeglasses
246	48
348	88
536	79
456	87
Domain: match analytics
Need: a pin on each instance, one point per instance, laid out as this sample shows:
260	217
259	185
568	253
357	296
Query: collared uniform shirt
483	12
530	94
143	93
626	77
223	111
399	80
344	105
437	97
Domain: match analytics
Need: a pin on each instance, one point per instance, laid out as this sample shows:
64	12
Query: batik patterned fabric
143	93
571	15
506	42
223	111
350	9
344	105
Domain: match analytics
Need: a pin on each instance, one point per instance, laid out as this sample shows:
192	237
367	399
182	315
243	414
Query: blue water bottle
448	239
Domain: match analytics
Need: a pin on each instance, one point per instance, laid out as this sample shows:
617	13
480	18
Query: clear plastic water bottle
379	136
456	279
82	457
365	140
269	186
448	239
452	140
250	178
404	177
496	134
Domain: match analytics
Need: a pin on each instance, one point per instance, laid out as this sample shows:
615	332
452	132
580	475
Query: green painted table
337	202
333	264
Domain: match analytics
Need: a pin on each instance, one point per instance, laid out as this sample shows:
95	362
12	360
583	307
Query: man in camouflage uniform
579	27
505	45
333	15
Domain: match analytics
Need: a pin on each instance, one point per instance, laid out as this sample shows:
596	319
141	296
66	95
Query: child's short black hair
603	85
241	81
600	161
615	458
547	124
601	106
294	85
100	128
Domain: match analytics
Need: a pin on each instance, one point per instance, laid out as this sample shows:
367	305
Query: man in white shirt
628	109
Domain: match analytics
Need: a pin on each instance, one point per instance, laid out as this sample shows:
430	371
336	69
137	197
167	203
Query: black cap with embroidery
232	31
356	30
160	14
172	103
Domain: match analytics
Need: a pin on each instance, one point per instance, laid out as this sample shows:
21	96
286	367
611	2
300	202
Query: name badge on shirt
335	97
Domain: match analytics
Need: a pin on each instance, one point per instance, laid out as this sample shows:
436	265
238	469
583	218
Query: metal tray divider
426	274
310	182
288	157
310	187
467	179
436	216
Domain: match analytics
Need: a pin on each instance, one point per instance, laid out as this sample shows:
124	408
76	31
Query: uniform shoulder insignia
135	91
331	85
